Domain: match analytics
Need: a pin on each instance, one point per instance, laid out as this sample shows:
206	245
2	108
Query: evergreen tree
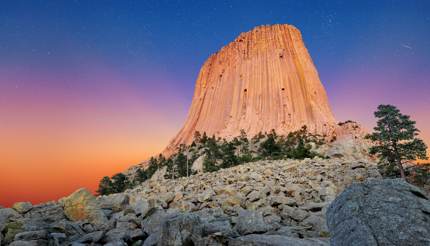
141	175
171	170
105	186
300	151
204	138
181	161
229	157
395	139
209	164
212	148
269	147
120	183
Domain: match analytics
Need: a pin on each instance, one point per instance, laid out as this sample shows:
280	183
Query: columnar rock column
263	80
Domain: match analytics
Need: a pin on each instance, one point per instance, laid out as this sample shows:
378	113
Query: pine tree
270	147
395	139
229	157
204	139
105	186
120	183
141	175
182	165
209	164
171	170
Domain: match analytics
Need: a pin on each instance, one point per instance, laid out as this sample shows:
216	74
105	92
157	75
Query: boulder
250	222
28	243
197	165
83	206
58	238
228	190
279	200
22	207
294	213
206	195
92	237
10	230
181	229
317	224
44	214
115	202
286	231
155	218
152	240
141	207
275	240
124	235
166	198
5	215
254	196
31	235
380	212
219	226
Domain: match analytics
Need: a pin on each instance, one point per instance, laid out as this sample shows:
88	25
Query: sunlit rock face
265	79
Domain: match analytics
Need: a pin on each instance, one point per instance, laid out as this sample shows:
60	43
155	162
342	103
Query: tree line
395	143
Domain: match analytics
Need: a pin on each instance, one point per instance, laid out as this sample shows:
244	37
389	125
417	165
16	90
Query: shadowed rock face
380	212
263	80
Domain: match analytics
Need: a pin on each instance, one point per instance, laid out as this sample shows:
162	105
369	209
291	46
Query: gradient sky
88	88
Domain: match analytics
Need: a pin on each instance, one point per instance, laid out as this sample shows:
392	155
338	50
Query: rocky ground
262	203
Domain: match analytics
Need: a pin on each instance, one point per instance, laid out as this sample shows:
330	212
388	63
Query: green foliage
257	138
118	183
171	170
300	151
105	186
209	165
141	175
395	140
270	148
297	145
219	153
229	158
184	169
224	154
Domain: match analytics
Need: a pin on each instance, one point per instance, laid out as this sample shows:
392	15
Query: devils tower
265	79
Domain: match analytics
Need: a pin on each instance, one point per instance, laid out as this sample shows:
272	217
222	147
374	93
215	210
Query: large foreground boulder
380	212
83	206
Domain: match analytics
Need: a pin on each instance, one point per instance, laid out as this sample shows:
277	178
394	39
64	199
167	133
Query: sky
88	88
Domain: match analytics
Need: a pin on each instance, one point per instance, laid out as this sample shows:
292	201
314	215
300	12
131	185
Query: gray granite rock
380	212
250	222
275	240
181	229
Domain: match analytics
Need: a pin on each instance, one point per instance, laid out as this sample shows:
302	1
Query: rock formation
265	79
279	202
380	212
